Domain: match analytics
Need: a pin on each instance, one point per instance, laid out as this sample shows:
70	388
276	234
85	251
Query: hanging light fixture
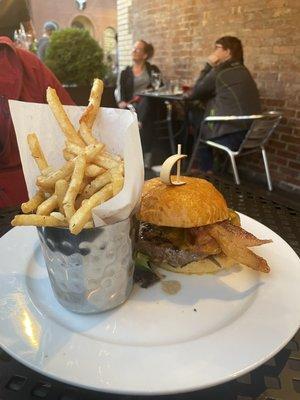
81	4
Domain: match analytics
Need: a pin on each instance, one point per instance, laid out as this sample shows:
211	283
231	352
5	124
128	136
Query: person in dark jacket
44	41
134	79
225	87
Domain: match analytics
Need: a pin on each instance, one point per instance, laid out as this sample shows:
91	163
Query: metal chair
255	139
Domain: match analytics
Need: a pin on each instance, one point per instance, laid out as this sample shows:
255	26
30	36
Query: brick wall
183	33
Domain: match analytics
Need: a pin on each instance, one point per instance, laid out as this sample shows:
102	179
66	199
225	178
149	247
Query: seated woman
225	87
134	79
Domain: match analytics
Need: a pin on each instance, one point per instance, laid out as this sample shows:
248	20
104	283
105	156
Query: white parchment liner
117	129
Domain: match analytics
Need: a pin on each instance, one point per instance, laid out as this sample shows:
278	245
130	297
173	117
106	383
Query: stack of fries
90	176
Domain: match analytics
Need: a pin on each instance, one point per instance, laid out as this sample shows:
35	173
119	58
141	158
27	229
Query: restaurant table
169	99
277	379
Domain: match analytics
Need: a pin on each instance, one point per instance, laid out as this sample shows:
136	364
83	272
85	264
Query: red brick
279	160
296	132
295	165
295	181
285	129
283	49
284	122
291	139
286	154
271	150
276	144
268	76
295	149
293	122
273	167
183	34
273	102
289	172
289	113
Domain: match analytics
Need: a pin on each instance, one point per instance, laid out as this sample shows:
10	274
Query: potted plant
76	59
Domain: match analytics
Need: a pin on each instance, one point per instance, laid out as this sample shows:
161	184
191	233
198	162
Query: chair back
260	131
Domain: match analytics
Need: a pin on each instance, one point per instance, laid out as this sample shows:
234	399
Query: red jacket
22	77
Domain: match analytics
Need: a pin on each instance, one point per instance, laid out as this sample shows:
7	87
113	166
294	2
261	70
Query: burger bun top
194	204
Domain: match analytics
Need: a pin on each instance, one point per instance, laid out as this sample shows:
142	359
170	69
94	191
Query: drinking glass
22	38
155	80
175	85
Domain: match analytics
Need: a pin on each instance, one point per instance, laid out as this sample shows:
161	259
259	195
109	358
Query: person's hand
122	104
213	59
136	99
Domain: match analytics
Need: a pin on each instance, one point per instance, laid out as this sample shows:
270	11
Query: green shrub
75	57
33	47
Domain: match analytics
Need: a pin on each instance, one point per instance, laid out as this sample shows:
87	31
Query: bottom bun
206	266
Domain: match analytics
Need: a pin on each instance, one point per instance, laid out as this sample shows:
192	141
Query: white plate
215	329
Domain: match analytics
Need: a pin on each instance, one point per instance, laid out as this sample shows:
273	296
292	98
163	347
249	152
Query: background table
169	99
278	379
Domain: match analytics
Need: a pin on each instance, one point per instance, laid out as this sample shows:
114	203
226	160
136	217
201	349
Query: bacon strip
201	240
234	241
244	237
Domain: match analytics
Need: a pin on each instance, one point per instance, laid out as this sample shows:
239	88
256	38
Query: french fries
74	186
33	203
47	206
86	134
36	152
97	184
91	111
91	151
62	118
50	180
36	220
90	176
60	216
93	170
61	187
83	214
68	155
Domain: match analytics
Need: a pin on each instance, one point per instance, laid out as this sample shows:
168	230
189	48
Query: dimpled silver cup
92	271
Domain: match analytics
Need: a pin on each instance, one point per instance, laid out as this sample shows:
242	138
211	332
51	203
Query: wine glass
22	38
155	80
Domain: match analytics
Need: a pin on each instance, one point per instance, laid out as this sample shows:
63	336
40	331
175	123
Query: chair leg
264	154
192	159
234	168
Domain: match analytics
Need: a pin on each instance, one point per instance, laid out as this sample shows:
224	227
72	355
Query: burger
189	229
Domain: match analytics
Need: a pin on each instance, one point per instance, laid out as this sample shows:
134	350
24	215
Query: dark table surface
278	379
162	94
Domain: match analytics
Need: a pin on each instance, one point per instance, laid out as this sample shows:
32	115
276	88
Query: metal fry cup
92	271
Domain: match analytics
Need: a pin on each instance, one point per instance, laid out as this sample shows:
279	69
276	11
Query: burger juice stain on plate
171	287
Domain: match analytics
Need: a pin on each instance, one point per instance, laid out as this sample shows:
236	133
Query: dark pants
145	110
232	140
